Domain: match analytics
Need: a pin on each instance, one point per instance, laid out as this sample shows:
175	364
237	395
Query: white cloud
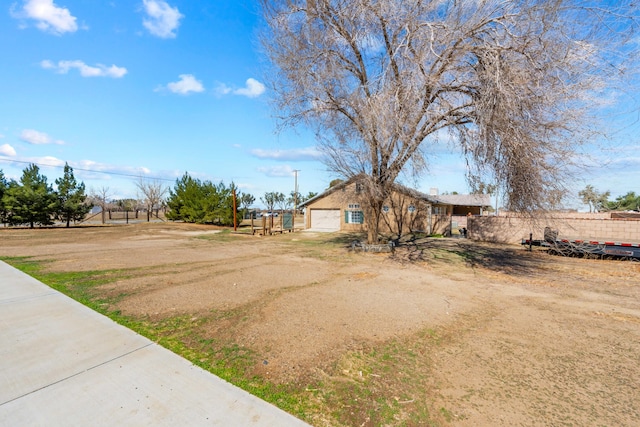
90	169
298	154
99	70
7	150
49	161
49	16
38	138
223	89
277	171
162	20
187	84
252	89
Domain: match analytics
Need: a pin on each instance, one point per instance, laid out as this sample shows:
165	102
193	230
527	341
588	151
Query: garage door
325	219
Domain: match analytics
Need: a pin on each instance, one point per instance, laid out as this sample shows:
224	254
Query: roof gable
447	199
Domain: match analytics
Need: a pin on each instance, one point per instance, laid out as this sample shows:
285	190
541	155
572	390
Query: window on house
353	217
411	209
354	206
358	187
439	210
385	209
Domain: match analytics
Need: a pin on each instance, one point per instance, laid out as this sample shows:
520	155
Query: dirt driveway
443	332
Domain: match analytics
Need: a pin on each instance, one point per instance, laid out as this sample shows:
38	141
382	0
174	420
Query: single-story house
339	208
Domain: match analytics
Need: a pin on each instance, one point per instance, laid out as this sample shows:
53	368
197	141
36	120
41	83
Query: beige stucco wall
339	199
512	229
423	219
342	198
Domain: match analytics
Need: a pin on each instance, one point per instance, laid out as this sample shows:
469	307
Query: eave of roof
480	200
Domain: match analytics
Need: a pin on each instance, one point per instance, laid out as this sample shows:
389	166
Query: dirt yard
442	332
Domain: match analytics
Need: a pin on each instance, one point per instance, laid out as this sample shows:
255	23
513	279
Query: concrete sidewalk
62	364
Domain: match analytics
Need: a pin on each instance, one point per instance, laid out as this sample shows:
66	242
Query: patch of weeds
446	414
323	250
225	236
388	384
76	284
432	335
187	336
449	256
24	264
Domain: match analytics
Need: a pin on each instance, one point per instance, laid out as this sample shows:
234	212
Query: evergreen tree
4	185
32	201
309	195
200	202
184	200
628	202
71	198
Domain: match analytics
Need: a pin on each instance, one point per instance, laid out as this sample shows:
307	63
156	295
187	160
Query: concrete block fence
514	228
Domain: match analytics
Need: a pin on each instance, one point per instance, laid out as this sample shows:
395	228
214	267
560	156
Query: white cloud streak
48	16
99	70
298	154
277	171
7	150
35	137
87	168
162	20
186	85
252	89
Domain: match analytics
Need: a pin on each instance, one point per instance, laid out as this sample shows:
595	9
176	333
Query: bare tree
270	199
514	85
100	197
246	200
282	202
153	192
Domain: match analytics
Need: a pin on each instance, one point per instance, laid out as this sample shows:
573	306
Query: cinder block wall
512	229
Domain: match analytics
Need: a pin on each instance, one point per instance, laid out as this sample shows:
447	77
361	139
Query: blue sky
123	89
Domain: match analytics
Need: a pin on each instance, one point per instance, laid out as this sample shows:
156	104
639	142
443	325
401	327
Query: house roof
328	191
445	199
463	199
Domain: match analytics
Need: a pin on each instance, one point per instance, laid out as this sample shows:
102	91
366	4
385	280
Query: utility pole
295	192
235	209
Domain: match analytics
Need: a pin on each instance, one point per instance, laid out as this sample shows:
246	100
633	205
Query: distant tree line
33	201
204	202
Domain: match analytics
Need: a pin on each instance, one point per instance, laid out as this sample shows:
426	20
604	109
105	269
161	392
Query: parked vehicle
585	248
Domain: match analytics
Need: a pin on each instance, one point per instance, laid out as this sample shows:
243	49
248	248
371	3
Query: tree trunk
373	222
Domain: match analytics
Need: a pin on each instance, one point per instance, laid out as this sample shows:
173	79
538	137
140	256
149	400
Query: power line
86	170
